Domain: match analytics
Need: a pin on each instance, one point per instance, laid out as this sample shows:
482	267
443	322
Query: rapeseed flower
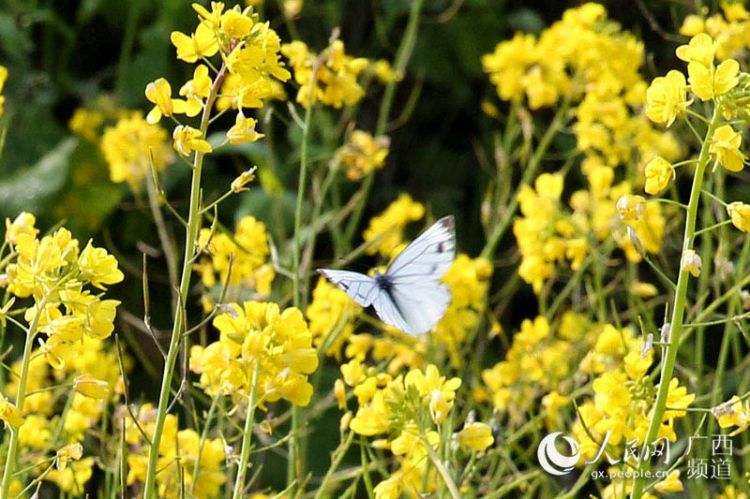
362	154
258	333
659	173
725	148
131	146
386	231
739	213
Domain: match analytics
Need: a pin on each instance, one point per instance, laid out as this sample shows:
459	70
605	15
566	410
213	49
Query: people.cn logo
551	460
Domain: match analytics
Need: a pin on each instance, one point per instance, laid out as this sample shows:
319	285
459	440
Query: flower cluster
56	272
549	235
131	147
623	394
68	380
385	232
729	28
331	315
406	411
187	462
362	154
589	60
258	335
468	280
536	364
250	73
239	260
667	99
331	77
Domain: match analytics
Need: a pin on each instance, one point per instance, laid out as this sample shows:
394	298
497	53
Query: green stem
295	466
678	311
247	435
446	476
10	462
194	224
338	456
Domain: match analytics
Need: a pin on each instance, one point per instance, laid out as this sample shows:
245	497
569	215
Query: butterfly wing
418	296
429	256
414	299
389	312
421	306
359	287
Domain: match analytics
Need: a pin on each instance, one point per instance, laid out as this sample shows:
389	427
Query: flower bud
238	184
691	262
88	386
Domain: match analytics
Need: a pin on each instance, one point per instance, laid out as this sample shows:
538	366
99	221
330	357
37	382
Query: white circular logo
551	460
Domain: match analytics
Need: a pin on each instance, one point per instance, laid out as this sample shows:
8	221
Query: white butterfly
409	296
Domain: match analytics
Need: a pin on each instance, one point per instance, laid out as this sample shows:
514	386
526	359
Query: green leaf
33	188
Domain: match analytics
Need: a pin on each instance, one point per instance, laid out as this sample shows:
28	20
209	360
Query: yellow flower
476	436
670	484
258	333
239	184
3	78
631	208
666	98
701	49
362	154
131	146
243	131
247	250
678	399
732	413
235	24
200	44
99	267
740	215
10	413
725	148
707	82
659	172
187	139
22	224
441	392
692	25
372	419
196	90
386	231
73	478
335	76
159	92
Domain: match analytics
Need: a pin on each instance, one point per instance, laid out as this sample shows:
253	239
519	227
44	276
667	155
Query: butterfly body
409	295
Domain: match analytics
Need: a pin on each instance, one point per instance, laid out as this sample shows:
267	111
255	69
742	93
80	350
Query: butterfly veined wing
421	305
409	296
428	257
388	312
361	288
418	296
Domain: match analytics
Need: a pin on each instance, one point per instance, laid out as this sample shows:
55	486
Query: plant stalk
194	224
678	311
